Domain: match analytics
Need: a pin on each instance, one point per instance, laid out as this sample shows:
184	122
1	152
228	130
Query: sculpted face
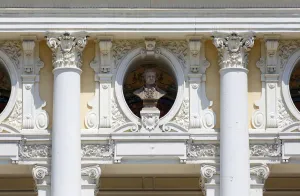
150	77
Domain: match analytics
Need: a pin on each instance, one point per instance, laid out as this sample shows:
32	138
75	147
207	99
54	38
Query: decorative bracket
34	117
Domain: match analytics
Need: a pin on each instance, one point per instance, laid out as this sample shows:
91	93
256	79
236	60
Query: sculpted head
150	76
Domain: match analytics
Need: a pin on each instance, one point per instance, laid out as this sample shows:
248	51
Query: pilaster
201	116
259	174
210	180
90	180
34	117
100	117
41	176
266	116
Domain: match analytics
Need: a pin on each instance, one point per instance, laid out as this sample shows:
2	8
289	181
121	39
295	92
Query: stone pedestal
150	118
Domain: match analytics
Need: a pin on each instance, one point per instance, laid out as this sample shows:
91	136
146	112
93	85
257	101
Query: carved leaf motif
265	150
34	151
202	150
97	150
118	117
13	49
15	119
286	49
121	47
178	48
182	118
284	117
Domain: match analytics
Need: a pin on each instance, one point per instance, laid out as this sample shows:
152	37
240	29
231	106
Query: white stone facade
67	159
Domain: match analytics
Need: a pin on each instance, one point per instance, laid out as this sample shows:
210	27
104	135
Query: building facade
218	115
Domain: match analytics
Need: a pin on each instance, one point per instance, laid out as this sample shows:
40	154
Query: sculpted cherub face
150	77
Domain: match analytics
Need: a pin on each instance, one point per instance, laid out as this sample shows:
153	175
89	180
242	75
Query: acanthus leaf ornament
265	150
33	151
104	151
286	49
118	118
202	150
15	118
178	48
94	172
67	49
183	116
14	50
284	117
233	48
261	171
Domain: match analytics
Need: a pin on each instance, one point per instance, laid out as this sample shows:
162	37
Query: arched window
5	87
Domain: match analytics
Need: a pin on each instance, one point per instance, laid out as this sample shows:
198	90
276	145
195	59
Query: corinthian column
234	137
66	147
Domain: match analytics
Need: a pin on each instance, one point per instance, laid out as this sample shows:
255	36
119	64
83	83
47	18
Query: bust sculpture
149	93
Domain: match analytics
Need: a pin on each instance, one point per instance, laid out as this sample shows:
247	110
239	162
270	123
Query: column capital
90	179
233	48
67	49
260	172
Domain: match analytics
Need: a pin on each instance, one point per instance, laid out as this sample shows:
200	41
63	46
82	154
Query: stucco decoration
261	171
284	116
265	150
13	49
202	150
10	57
39	173
34	151
15	118
121	48
34	116
97	151
289	55
162	53
233	48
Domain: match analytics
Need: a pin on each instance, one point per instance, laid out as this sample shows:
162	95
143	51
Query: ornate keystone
67	49
233	48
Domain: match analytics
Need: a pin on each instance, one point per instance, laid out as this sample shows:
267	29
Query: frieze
284	117
265	150
27	151
15	118
97	151
13	49
286	49
202	150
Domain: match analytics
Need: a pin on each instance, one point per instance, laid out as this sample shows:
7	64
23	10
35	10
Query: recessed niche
5	87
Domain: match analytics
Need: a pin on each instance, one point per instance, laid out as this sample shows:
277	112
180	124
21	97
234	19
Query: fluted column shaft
234	136
66	141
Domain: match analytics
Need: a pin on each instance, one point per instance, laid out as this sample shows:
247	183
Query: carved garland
203	150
